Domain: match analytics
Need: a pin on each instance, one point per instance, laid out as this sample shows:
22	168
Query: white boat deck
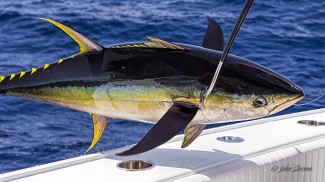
268	143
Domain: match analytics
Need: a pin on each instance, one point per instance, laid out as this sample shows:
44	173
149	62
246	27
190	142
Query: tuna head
246	90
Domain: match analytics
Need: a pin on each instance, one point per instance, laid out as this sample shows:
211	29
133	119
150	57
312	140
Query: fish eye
260	101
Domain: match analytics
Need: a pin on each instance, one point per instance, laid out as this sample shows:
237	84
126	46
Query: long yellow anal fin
100	123
86	45
192	131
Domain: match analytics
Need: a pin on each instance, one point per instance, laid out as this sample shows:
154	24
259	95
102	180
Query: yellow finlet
2	78
33	71
46	66
60	61
22	73
12	76
100	123
86	45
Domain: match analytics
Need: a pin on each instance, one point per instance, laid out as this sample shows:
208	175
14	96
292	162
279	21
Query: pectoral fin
176	118
192	131
100	123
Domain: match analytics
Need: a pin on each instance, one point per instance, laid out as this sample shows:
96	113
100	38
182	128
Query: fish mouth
287	103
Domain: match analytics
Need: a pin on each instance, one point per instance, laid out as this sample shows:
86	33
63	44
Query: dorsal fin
153	43
213	38
86	45
163	44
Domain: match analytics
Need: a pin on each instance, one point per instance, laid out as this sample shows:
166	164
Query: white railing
271	149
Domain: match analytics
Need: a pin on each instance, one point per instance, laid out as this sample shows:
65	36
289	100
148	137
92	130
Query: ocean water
284	35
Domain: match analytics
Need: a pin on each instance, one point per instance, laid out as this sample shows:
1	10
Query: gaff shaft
229	44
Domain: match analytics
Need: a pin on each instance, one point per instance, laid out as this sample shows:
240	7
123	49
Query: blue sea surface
284	35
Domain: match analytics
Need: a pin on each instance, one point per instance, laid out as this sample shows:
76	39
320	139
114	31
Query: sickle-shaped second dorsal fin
86	45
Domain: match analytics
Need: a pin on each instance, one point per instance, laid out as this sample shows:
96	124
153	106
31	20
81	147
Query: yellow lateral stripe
2	78
33	71
22	73
60	61
12	76
46	66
